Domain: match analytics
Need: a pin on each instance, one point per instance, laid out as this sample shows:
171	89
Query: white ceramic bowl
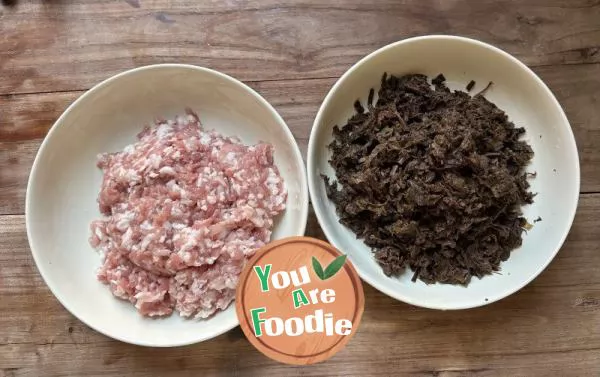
64	184
527	101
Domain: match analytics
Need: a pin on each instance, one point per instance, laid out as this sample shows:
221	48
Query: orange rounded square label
299	300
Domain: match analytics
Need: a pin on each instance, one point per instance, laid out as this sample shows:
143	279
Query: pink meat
184	209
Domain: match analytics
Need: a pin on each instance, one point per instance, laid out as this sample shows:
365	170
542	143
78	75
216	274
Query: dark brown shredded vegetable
470	85
431	179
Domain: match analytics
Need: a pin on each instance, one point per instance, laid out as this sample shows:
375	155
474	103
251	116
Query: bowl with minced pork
150	193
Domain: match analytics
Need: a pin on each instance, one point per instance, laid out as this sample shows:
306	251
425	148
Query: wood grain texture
548	328
71	45
291	52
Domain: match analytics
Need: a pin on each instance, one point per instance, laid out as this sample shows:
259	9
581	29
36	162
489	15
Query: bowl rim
34	246
312	181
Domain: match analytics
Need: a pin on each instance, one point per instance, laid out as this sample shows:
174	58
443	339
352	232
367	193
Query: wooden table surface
292	52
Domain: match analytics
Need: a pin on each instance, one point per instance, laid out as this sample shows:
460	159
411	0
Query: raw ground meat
184	209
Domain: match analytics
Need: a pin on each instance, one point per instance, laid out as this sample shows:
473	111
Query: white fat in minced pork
184	209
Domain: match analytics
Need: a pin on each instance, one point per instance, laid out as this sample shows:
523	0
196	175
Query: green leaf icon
331	270
318	268
335	266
